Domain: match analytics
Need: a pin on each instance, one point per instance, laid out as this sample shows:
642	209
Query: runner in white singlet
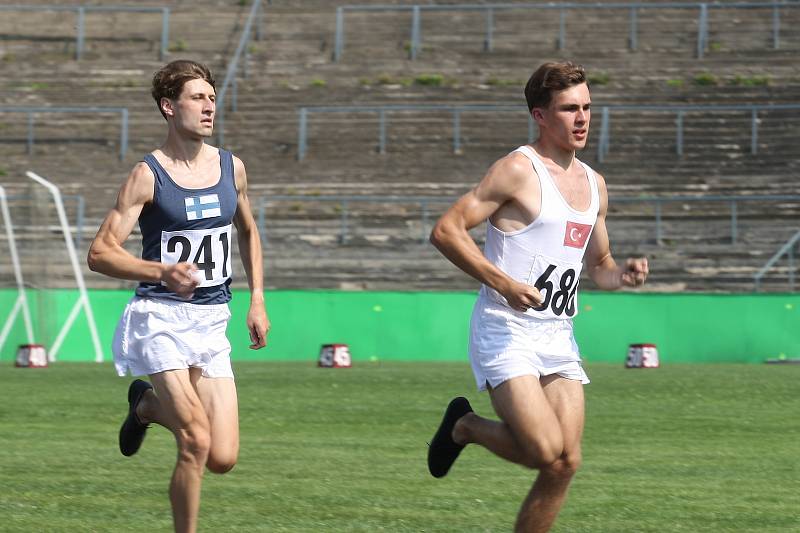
545	213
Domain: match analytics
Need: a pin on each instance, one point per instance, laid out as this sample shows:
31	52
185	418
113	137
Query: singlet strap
538	164
226	161
155	167
595	189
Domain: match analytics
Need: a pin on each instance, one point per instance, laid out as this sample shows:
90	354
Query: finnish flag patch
206	206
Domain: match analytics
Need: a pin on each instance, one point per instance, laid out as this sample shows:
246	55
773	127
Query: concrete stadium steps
706	263
406	217
484	137
203	29
702	266
299	39
119	60
292	67
93	171
695	254
421	267
633	134
271	125
51	35
620	72
758	221
308	219
362	269
660	31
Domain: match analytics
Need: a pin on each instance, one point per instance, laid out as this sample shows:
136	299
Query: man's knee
221	463
565	466
542	451
194	443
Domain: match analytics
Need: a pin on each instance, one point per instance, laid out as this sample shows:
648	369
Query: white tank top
548	253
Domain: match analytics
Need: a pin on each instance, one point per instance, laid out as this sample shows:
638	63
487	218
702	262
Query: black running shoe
443	450
131	434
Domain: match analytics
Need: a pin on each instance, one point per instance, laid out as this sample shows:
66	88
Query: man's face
194	109
565	122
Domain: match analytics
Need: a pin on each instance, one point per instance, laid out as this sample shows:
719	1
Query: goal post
21	302
83	296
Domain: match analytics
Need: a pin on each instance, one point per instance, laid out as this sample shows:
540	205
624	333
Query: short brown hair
549	78
169	80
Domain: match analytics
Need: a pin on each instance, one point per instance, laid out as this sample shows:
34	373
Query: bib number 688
559	298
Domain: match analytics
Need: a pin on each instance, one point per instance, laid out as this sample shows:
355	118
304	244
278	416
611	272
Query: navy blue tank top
191	225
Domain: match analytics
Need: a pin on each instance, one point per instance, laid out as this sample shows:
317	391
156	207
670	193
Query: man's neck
183	150
560	157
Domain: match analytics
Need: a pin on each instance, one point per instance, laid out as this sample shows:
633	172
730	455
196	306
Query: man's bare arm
107	254
451	233
600	264
250	252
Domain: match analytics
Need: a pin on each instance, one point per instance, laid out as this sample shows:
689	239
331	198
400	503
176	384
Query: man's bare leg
222	408
544	501
174	404
541	427
528	432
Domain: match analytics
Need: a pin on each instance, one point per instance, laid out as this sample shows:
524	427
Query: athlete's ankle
461	431
144	408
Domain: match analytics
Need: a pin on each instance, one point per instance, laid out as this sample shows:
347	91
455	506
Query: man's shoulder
601	181
214	152
586	165
140	183
514	167
239	172
141	171
238	164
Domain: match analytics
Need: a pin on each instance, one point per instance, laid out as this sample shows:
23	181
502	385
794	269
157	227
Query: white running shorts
156	334
505	344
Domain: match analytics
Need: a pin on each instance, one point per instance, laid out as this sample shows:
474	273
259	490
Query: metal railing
490	9
33	111
345	203
80	24
383	110
734	201
787	250
255	17
604	144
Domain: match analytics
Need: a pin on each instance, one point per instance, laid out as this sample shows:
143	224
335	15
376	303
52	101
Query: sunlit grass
681	448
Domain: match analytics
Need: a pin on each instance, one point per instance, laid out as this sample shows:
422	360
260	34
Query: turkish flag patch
576	234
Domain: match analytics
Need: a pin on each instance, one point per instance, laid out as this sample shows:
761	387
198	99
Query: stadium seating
293	67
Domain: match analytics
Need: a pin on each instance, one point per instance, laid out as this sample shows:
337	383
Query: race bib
557	281
209	249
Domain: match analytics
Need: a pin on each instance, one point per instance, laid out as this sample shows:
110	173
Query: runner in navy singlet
187	197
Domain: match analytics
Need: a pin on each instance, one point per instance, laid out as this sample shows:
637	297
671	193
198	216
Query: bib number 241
208	249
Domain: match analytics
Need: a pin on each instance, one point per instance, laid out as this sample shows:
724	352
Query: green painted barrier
434	325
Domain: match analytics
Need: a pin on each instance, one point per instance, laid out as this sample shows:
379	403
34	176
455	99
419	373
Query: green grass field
681	448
